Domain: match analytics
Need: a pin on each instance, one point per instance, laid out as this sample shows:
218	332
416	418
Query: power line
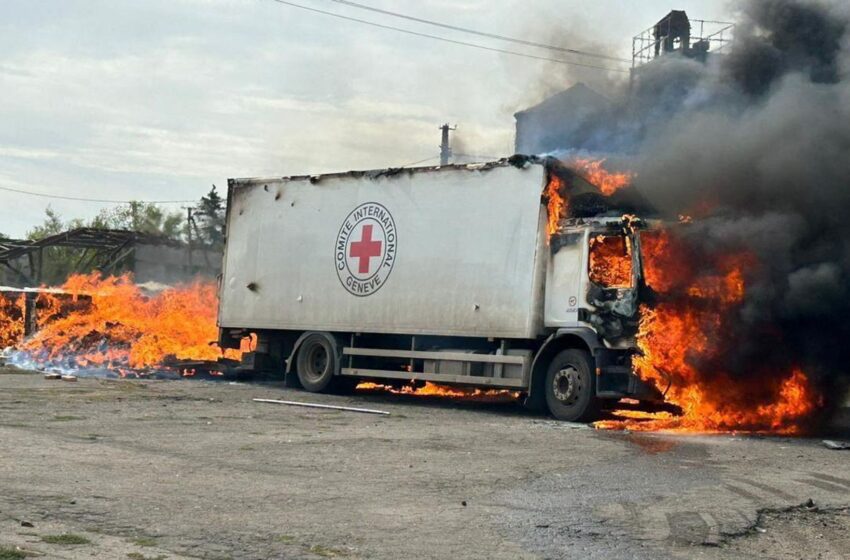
420	161
81	199
446	40
480	33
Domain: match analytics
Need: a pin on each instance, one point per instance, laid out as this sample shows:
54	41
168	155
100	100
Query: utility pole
445	147
189	223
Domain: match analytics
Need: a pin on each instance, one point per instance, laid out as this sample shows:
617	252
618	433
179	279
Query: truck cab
593	286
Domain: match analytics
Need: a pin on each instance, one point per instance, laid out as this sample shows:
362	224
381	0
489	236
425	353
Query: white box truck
444	274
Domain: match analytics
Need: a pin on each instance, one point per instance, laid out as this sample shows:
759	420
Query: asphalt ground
192	469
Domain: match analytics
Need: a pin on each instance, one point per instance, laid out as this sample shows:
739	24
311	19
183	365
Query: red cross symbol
365	249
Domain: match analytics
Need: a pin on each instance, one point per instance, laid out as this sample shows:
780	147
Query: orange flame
119	326
611	261
46	306
433	390
556	205
11	319
606	181
683	332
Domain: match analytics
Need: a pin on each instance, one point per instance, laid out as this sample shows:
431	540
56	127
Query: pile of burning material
110	327
24	310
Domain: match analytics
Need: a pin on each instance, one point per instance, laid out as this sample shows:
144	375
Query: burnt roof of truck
587	200
519	161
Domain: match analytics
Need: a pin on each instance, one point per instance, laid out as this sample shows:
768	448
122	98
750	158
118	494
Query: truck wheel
570	387
316	363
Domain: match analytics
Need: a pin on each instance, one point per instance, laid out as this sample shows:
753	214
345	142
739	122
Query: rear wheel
316	363
570	387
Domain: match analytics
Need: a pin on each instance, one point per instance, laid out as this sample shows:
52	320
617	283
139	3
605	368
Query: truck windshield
611	261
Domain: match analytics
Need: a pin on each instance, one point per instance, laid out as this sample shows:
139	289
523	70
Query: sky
158	100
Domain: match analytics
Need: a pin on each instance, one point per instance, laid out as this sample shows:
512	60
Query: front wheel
571	388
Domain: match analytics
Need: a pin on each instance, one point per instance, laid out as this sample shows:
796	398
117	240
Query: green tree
209	220
141	217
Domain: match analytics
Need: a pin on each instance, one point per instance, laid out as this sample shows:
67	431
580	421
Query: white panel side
458	255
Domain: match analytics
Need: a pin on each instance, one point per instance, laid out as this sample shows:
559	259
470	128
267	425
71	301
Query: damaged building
582	119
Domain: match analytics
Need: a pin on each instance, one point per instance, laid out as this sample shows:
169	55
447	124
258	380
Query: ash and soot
747	311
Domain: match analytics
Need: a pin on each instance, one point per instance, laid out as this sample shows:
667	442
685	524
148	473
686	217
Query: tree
209	219
207	230
142	217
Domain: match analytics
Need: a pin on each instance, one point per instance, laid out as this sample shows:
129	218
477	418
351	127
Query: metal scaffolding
677	33
103	249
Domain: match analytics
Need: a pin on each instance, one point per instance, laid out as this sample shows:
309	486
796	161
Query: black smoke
760	136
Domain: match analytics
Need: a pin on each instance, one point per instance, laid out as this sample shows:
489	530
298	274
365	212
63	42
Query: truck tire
570	387
316	363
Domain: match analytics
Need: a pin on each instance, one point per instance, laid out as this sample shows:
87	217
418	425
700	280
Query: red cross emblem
365	249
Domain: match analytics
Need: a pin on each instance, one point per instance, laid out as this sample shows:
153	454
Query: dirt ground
190	469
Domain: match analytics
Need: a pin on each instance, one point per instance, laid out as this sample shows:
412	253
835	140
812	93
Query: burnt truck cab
593	287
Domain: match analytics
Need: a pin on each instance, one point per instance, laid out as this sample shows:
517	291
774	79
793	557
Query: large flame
684	331
682	338
113	324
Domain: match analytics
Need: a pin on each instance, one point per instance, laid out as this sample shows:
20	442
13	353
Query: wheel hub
566	385
317	362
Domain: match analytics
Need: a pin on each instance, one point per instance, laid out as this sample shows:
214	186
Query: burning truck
517	274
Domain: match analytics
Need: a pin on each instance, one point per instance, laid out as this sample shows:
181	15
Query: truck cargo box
458	250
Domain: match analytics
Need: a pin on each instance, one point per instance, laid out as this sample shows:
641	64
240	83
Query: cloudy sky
159	99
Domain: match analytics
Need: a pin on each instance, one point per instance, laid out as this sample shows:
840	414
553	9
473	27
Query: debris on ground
325	406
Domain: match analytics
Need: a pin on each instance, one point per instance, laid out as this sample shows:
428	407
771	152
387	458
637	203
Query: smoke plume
756	143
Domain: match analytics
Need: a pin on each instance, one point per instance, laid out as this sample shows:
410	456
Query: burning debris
429	389
111	325
11	319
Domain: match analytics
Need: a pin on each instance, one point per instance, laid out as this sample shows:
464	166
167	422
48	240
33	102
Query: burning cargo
454	275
